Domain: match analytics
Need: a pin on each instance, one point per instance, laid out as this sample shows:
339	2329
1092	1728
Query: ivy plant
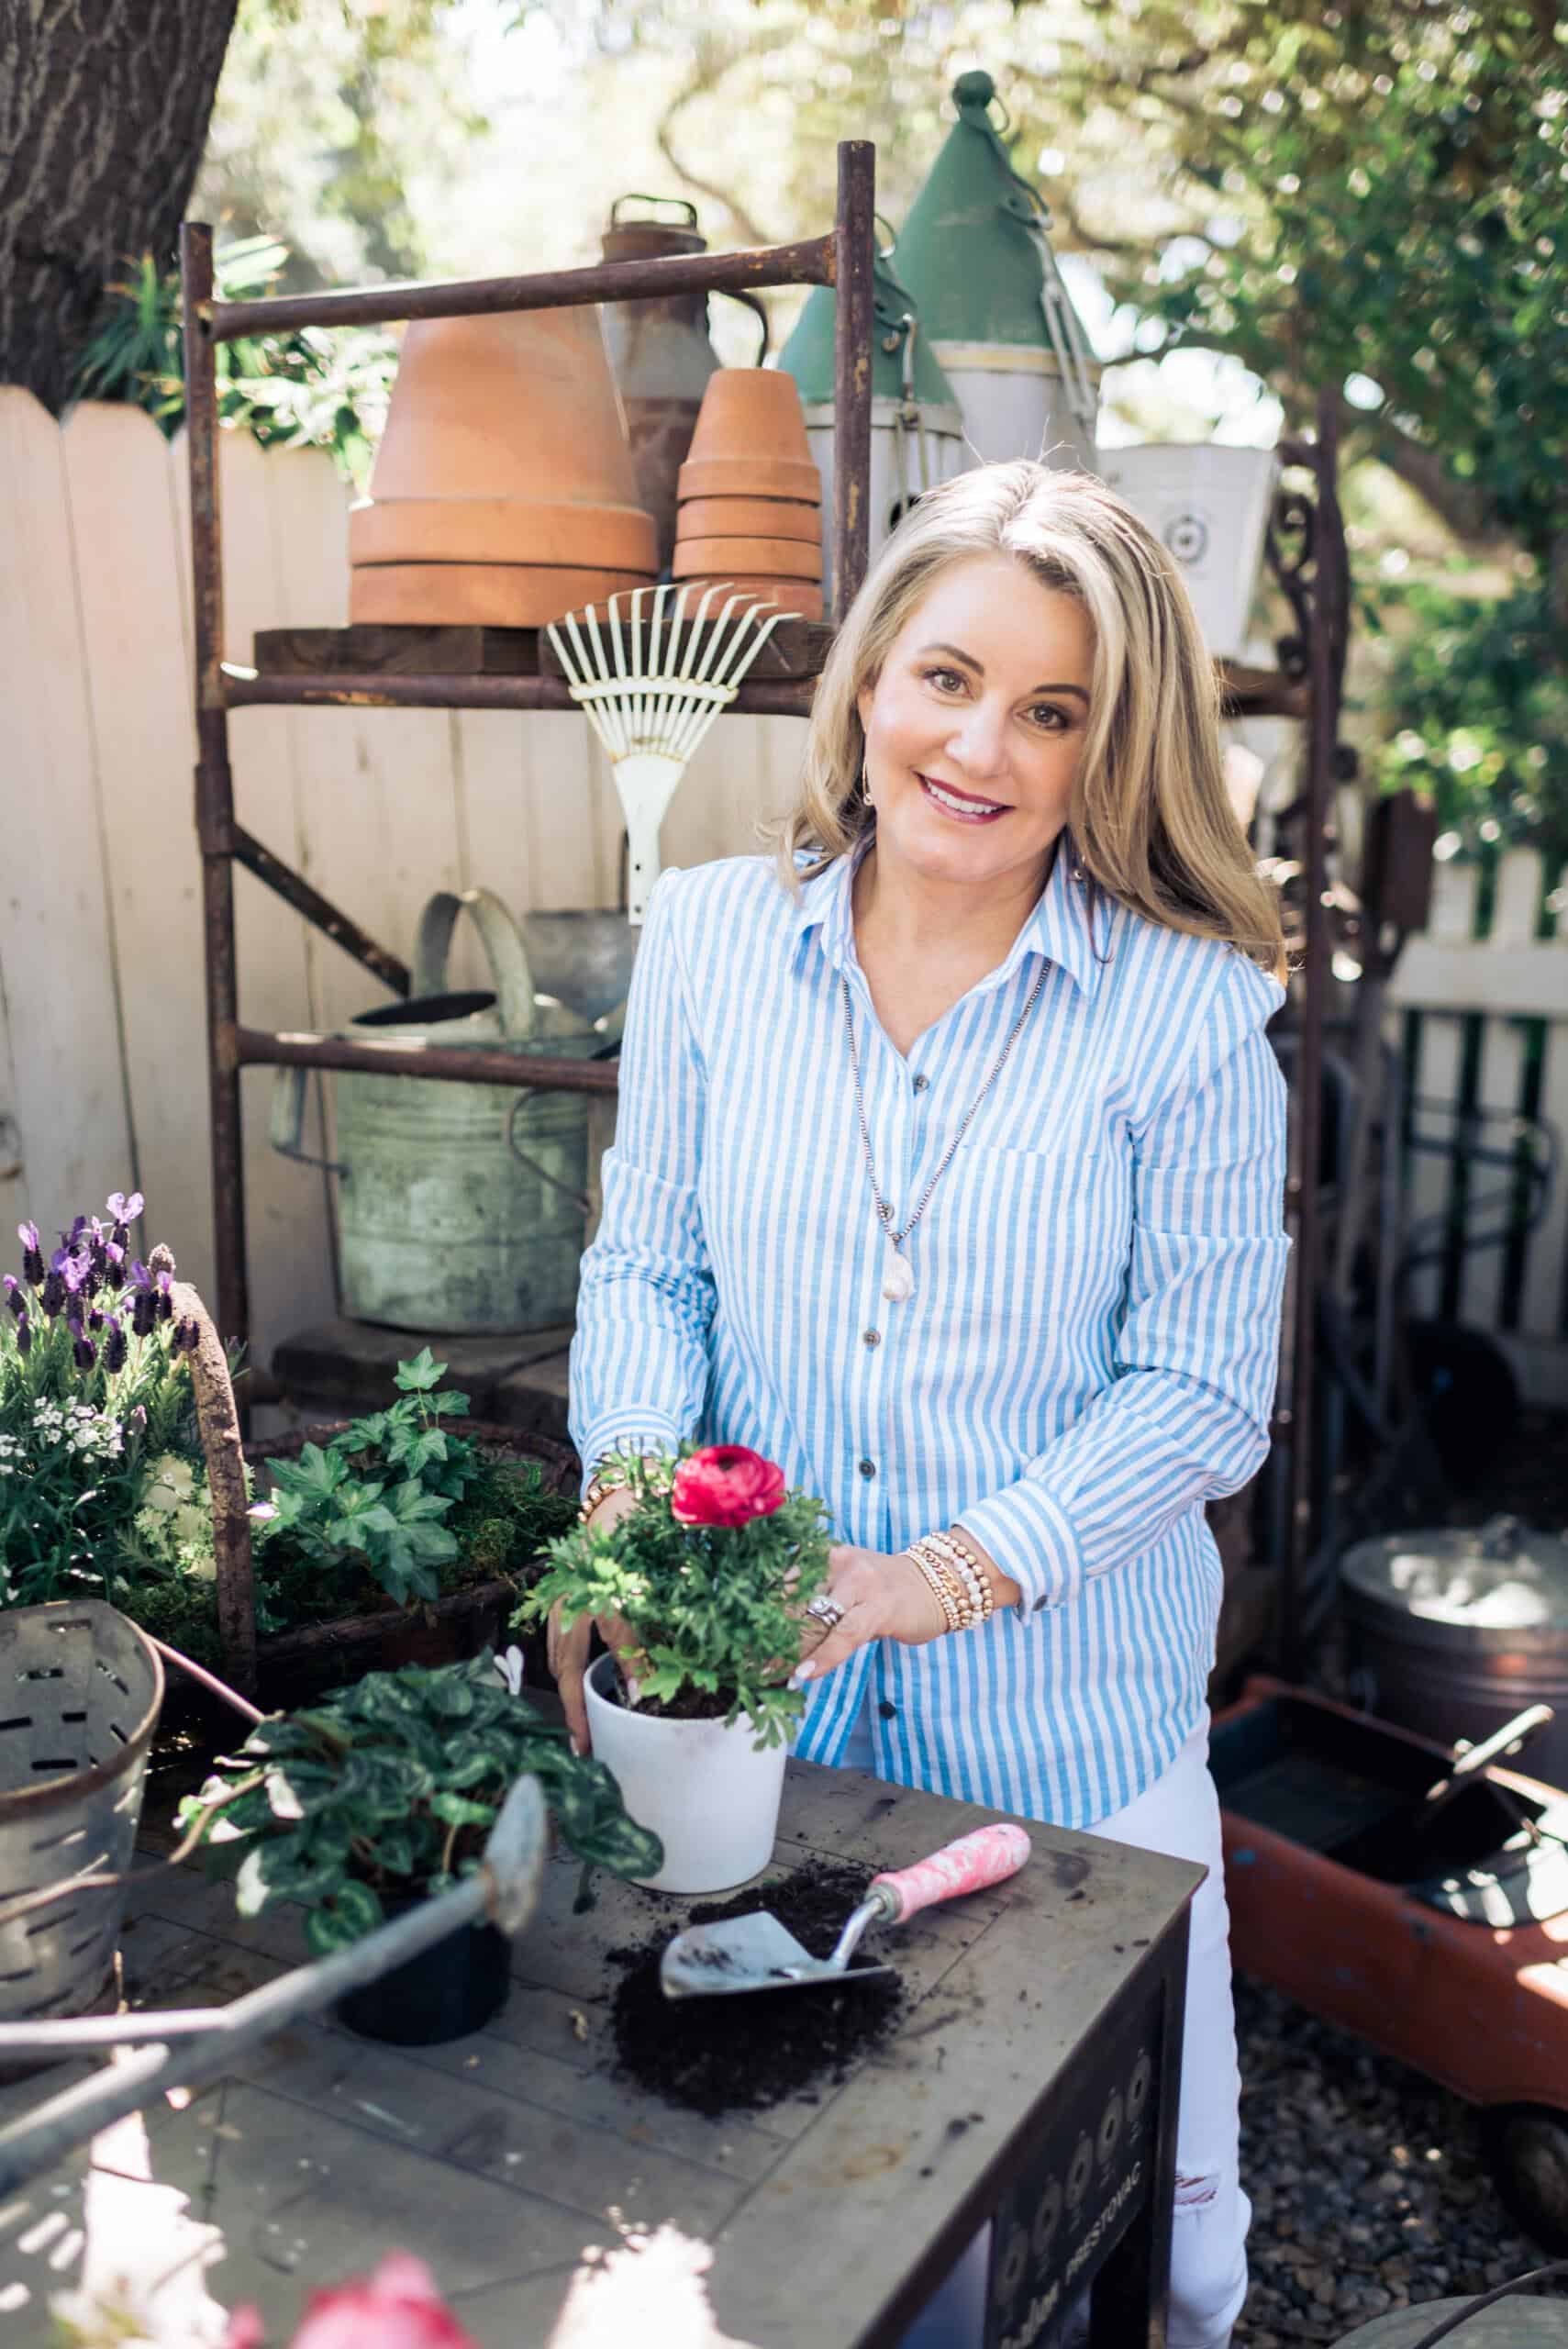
712	1609
389	1789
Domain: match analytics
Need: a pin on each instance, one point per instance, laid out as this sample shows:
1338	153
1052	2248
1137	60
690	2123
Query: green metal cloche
971	250
808	354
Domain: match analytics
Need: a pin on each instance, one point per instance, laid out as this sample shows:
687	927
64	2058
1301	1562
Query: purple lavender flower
32	1254
94	1320
188	1337
114	1346
69	1239
82	1352
165	1302
54	1293
143	1312
124	1209
24	1336
14	1296
139	1418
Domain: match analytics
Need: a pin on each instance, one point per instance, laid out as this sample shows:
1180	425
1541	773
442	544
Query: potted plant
384	1793
399	1537
103	1485
708	1574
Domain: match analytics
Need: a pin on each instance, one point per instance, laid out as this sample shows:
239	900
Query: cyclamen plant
710	1573
94	1386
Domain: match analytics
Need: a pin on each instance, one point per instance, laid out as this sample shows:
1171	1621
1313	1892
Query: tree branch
703	80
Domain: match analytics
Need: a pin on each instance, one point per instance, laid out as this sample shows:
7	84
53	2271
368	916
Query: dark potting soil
743	2054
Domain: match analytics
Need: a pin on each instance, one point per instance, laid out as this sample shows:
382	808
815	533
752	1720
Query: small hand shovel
757	1953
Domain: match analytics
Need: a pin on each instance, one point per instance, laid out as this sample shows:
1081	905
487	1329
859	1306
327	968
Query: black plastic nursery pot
451	1989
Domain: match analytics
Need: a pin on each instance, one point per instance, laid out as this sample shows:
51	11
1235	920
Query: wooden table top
555	2202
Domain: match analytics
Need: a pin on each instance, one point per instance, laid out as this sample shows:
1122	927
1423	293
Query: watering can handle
579	1199
504	950
678	203
753	302
286	1126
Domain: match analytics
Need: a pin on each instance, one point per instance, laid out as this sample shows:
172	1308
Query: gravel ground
1368	2188
1367	2183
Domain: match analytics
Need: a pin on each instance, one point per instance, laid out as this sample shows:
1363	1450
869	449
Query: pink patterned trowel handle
989	1856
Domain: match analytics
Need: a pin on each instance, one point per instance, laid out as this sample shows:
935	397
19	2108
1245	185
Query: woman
948	1174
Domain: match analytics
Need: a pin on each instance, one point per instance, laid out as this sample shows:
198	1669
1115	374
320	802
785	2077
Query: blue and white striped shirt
1090	1351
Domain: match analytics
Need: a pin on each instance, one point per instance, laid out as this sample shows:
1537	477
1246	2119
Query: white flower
202	1569
509	1664
171	1484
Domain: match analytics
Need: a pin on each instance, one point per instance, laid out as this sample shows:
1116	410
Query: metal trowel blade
747	1954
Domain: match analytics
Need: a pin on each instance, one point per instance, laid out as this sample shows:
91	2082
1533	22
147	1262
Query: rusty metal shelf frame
841	259
1306	553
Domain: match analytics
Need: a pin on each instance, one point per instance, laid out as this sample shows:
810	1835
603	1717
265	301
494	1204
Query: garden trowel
758	1953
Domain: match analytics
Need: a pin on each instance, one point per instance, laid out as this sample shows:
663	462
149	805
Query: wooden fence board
1501	1079
137	674
1436	1075
56	930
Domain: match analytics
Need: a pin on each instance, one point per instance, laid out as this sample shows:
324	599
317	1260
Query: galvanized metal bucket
80	1692
460	1208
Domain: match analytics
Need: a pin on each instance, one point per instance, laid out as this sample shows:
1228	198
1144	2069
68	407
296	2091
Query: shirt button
921	1083
868	1468
873	1337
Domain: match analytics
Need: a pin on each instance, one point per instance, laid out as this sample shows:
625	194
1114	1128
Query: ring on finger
824	1611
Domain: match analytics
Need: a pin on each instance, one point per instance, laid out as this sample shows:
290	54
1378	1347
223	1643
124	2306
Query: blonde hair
1152	821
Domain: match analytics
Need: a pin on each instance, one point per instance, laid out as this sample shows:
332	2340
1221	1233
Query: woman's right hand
567	1649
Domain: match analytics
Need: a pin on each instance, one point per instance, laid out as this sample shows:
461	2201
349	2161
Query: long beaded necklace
897	1273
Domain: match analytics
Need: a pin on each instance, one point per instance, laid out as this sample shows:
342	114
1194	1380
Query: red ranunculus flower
397	2307
725	1484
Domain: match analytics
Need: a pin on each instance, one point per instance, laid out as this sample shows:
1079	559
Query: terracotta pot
750	412
751	517
760	476
483	594
501	529
783	557
801	596
520	406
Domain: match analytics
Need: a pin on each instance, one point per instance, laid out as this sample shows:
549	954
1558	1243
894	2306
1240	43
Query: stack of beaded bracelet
958	1581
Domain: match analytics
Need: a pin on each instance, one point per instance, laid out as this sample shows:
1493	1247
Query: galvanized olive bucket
460	1208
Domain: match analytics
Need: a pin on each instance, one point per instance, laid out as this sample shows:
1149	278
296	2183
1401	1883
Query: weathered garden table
1031	2079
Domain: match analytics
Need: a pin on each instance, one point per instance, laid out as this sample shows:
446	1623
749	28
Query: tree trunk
104	107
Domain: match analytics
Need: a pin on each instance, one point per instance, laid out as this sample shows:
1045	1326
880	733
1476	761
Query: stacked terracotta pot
503	492
750	497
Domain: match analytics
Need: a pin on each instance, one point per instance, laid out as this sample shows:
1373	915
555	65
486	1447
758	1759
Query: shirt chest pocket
1031	1239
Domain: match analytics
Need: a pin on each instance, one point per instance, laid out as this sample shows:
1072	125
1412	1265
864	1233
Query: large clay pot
517	412
503	530
482	595
780	558
661	356
751	517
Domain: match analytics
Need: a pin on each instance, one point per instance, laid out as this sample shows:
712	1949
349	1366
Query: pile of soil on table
745	2052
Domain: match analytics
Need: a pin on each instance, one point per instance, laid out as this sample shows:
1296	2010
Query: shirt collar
1060	928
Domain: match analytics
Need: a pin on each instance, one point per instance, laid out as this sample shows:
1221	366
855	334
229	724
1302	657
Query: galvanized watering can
460	1208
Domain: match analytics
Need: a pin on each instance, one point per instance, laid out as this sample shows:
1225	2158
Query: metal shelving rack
1306	552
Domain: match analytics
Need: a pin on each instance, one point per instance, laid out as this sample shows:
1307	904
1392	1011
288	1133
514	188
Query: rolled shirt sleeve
1187	1416
640	1358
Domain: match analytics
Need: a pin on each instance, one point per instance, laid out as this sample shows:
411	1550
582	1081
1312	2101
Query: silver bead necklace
898	1274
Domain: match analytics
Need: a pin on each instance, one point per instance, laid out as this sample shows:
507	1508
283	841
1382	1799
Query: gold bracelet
938	1582
957	1596
961	1551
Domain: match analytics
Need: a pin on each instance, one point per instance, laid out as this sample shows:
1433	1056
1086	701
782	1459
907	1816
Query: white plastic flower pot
706	1791
1210	507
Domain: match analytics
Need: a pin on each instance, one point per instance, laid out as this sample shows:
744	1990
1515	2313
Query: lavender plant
95	1404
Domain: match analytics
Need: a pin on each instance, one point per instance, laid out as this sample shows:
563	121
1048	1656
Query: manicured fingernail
801	1675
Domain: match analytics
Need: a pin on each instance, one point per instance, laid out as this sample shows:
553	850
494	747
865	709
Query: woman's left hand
882	1598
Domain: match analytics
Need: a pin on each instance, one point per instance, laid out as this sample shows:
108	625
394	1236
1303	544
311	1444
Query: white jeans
1178	1815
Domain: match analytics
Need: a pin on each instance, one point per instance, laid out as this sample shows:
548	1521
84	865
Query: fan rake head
651	675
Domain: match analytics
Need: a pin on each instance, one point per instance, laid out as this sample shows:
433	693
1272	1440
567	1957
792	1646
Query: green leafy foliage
713	1610
328	389
389	1789
1482	711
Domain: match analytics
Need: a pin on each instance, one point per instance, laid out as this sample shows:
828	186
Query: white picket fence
1491	1029
103	1080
